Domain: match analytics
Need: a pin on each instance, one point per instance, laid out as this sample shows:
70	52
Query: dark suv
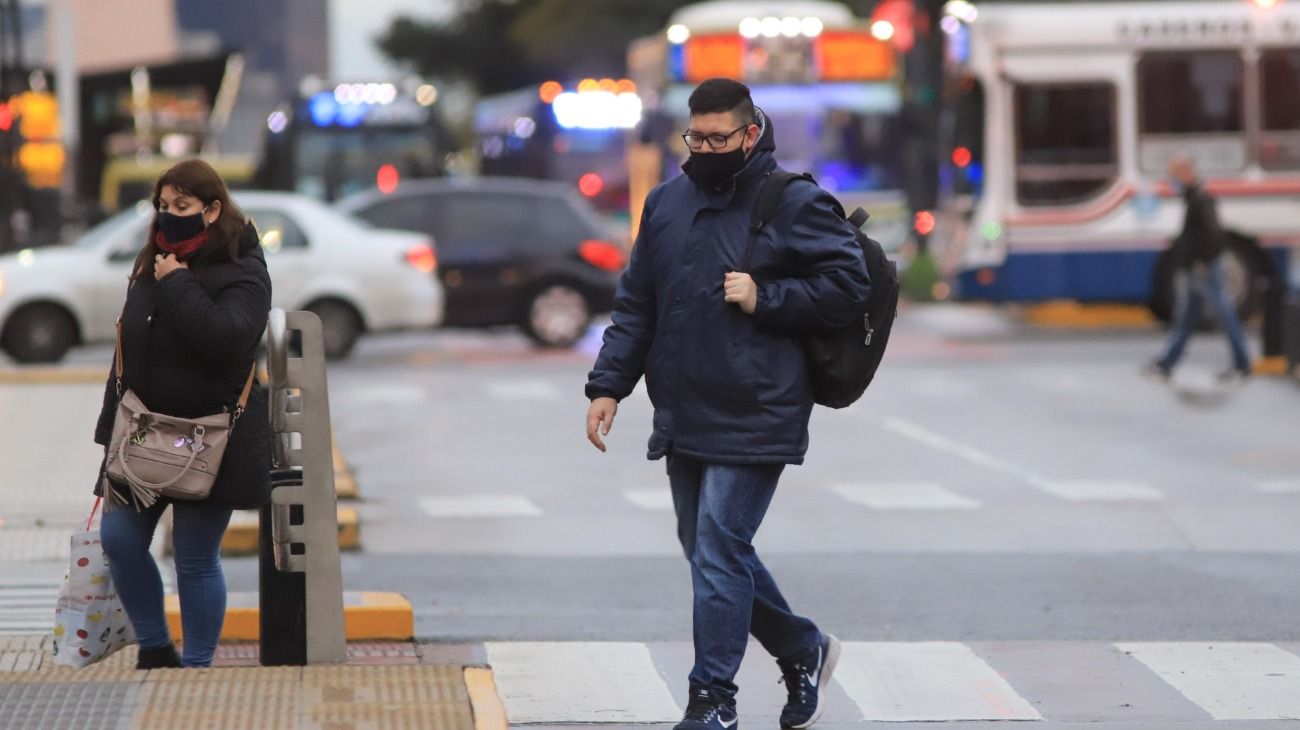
510	251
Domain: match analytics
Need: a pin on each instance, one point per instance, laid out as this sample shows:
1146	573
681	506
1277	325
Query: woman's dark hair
723	95
198	180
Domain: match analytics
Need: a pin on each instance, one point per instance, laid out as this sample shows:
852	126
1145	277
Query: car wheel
1247	272
39	333
340	327
557	316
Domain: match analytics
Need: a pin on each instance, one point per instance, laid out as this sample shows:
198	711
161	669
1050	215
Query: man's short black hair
723	95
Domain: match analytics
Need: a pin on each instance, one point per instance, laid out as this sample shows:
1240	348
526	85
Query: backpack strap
765	205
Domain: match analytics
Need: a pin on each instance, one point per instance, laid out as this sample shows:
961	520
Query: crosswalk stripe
523	389
1280	487
474	506
903	495
935	681
572	682
1231	681
651	500
1085	490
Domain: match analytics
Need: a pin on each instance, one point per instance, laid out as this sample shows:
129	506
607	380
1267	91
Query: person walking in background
1198	253
195	312
719	348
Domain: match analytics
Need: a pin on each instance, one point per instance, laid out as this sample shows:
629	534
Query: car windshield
111	228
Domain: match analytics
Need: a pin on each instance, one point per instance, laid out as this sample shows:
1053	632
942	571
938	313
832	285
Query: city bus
571	132
334	140
831	88
1061	119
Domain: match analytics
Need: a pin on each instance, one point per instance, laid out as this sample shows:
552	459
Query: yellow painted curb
345	485
489	711
49	376
1074	315
367	616
242	534
1276	365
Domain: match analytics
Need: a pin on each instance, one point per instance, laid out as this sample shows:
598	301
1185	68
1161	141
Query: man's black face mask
710	170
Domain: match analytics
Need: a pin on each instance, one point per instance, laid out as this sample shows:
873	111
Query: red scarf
182	249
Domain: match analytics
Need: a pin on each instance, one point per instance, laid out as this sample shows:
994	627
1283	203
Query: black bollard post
282	598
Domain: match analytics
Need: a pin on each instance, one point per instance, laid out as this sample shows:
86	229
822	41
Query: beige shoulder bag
156	455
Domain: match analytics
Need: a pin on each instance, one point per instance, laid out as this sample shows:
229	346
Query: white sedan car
356	278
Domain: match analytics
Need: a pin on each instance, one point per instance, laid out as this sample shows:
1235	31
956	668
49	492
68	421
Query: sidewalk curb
1076	315
52	376
485	702
367	616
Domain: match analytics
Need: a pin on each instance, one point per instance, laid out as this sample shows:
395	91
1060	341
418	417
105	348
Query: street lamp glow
811	27
770	27
882	30
678	34
963	10
751	28
426	95
790	27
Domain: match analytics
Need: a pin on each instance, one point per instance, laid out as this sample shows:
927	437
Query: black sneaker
709	711
805	678
163	657
1156	371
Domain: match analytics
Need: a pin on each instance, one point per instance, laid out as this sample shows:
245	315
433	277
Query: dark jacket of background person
188	342
1202	239
728	387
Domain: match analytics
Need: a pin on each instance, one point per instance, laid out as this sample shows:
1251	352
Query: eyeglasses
695	140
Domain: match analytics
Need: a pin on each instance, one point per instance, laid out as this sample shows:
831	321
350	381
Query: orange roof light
549	90
626	86
588	85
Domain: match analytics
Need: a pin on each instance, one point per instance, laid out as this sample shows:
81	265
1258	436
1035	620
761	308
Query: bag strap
93	510
117	356
248	388
765	205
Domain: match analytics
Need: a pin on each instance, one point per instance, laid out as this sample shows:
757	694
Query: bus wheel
1248	271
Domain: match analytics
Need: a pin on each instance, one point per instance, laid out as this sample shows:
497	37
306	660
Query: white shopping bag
89	620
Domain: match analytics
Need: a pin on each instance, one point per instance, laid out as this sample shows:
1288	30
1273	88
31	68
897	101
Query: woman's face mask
177	228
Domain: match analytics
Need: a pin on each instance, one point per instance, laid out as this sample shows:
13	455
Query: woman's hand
166	264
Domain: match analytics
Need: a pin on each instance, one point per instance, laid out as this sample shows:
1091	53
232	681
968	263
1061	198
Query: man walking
724	369
1198	253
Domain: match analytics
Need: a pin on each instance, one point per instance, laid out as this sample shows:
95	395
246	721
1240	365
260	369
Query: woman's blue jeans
196	545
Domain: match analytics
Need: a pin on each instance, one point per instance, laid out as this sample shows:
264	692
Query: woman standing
195	312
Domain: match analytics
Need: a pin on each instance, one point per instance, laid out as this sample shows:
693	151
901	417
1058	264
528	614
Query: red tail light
422	257
602	254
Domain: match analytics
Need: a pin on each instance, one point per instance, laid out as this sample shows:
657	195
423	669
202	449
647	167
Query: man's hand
164	265
741	289
600	418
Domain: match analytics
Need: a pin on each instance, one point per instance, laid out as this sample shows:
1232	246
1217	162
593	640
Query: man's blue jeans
1194	289
719	508
196	544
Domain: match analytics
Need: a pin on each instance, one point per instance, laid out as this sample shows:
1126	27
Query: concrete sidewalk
383	685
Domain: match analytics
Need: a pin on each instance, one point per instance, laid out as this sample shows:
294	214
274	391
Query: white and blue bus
1061	120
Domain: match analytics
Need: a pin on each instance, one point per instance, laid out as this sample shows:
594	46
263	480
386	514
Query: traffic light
40	156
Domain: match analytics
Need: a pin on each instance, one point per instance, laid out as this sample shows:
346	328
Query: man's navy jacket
729	387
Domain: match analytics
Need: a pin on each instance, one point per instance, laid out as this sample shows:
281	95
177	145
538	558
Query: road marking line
1074	490
1079	491
904	496
1280	487
935	681
523	389
501	505
651	500
1231	681
573	682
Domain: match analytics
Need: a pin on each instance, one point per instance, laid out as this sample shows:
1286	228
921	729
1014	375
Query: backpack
843	362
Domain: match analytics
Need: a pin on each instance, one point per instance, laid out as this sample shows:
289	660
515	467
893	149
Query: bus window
1065	142
1280	92
1191	101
